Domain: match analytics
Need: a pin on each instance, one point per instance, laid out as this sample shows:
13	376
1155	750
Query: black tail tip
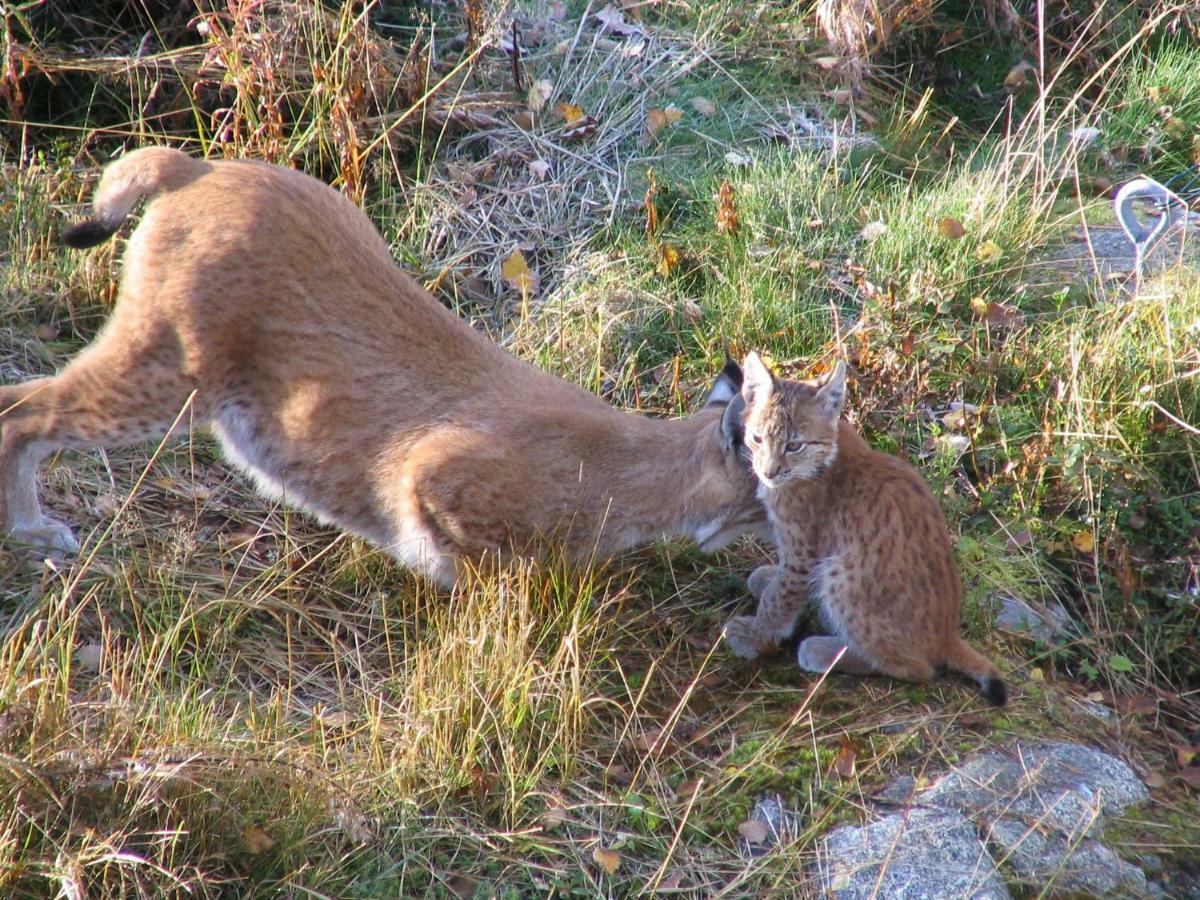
995	692
88	233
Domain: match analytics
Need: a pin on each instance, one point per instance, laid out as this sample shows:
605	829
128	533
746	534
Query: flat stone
1043	622
1059	786
1048	860
899	792
924	854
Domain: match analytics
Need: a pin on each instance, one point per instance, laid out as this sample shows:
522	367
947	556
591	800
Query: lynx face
791	426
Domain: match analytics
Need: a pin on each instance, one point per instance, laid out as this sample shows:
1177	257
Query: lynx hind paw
818	654
49	536
743	637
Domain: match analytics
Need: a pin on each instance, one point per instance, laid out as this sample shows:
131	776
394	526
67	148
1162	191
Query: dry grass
221	698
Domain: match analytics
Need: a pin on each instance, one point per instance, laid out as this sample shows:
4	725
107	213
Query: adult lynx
344	388
859	534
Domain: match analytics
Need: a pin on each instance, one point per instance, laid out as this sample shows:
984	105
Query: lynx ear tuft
759	382
727	385
831	391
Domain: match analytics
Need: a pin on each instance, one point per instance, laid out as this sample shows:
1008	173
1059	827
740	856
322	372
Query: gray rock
925	854
1049	860
1060	786
782	825
1042	622
899	792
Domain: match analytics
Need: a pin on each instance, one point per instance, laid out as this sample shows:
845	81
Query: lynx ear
727	385
758	381
831	391
733	432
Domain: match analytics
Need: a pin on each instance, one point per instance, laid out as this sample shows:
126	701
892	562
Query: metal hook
1143	237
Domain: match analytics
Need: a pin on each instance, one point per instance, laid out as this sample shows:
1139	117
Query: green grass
225	699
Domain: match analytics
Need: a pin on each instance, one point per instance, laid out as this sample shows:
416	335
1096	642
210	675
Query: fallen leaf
668	260
463	886
1019	540
46	332
1018	75
692	311
1134	704
523	119
517	273
727	216
754	831
827	62
1185	755
618	773
951	228
649	205
873	231
989	252
553	817
1083	541
257	840
87	657
704	106
841	96
539	94
685	789
1153	779
844	761
539	169
613	21
738	160
568	112
657	120
581	129
979	306
1191	777
608	860
1003	315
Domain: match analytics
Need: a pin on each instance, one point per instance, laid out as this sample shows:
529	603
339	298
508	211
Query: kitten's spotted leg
761	580
782	597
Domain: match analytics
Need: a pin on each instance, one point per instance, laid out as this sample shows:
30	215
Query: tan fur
859	536
342	386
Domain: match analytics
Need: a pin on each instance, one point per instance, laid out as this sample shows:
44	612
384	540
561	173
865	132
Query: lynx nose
772	472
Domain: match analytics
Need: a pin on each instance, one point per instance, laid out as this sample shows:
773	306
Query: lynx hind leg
820	653
92	402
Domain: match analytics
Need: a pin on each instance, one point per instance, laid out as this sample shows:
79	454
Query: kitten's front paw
761	579
48	536
744	639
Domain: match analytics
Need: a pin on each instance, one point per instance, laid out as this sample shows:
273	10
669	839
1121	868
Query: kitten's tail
962	657
136	175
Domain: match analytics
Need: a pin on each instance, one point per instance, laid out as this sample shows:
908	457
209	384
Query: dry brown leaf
517	273
257	840
568	112
539	169
704	106
727	216
553	817
951	228
1153	779
989	252
827	62
613	21
844	761
87	657
1185	755
668	260
692	311
523	119
648	203
657	120
1191	777
685	789
754	831
46	332
608	860
539	94
1083	541
1018	75
463	886
581	129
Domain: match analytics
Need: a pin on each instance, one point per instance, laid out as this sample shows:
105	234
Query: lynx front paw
744	638
48	536
761	579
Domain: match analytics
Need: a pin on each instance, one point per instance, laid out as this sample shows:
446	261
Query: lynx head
791	427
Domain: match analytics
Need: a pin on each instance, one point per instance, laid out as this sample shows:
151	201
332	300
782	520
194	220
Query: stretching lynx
268	302
858	533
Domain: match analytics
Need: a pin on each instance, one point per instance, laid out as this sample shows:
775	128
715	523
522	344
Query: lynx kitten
859	536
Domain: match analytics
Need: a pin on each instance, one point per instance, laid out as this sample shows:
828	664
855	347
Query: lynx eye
794	446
